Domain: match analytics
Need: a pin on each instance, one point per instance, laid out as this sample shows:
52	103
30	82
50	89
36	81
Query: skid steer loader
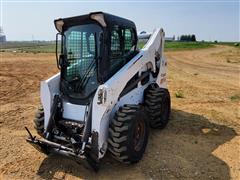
107	92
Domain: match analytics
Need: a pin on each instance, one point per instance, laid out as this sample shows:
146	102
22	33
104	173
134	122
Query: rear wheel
39	121
128	134
158	106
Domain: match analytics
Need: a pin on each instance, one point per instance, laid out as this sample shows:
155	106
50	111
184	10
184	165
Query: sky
209	20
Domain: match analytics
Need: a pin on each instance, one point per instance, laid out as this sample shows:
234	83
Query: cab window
122	48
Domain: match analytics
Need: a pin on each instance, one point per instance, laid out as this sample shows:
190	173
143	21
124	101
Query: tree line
188	37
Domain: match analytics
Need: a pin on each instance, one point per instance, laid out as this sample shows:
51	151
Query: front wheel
128	134
39	121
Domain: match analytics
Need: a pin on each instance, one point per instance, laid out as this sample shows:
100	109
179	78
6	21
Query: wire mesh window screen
81	45
80	53
121	45
115	44
92	43
128	42
116	52
73	52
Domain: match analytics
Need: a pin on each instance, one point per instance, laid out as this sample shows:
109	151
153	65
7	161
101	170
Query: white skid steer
107	93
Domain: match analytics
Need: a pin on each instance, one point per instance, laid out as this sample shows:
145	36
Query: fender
49	88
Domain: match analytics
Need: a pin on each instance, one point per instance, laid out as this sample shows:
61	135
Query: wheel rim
139	133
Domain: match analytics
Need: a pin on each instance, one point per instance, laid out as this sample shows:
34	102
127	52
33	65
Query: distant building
170	38
2	35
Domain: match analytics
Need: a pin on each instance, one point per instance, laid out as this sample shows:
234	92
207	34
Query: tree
188	37
193	37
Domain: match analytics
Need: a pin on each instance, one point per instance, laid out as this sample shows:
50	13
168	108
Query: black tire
39	121
128	134
158	106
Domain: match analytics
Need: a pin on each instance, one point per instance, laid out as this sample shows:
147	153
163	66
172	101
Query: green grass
234	44
174	46
186	45
179	94
28	47
235	97
49	46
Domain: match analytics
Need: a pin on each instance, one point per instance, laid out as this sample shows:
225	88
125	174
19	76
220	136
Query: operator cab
93	48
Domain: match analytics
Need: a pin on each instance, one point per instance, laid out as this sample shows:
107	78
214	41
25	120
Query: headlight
99	18
59	24
102	96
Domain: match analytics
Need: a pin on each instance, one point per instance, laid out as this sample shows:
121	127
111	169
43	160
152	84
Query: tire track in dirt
186	62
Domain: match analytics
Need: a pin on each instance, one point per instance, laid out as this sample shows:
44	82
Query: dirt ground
201	141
